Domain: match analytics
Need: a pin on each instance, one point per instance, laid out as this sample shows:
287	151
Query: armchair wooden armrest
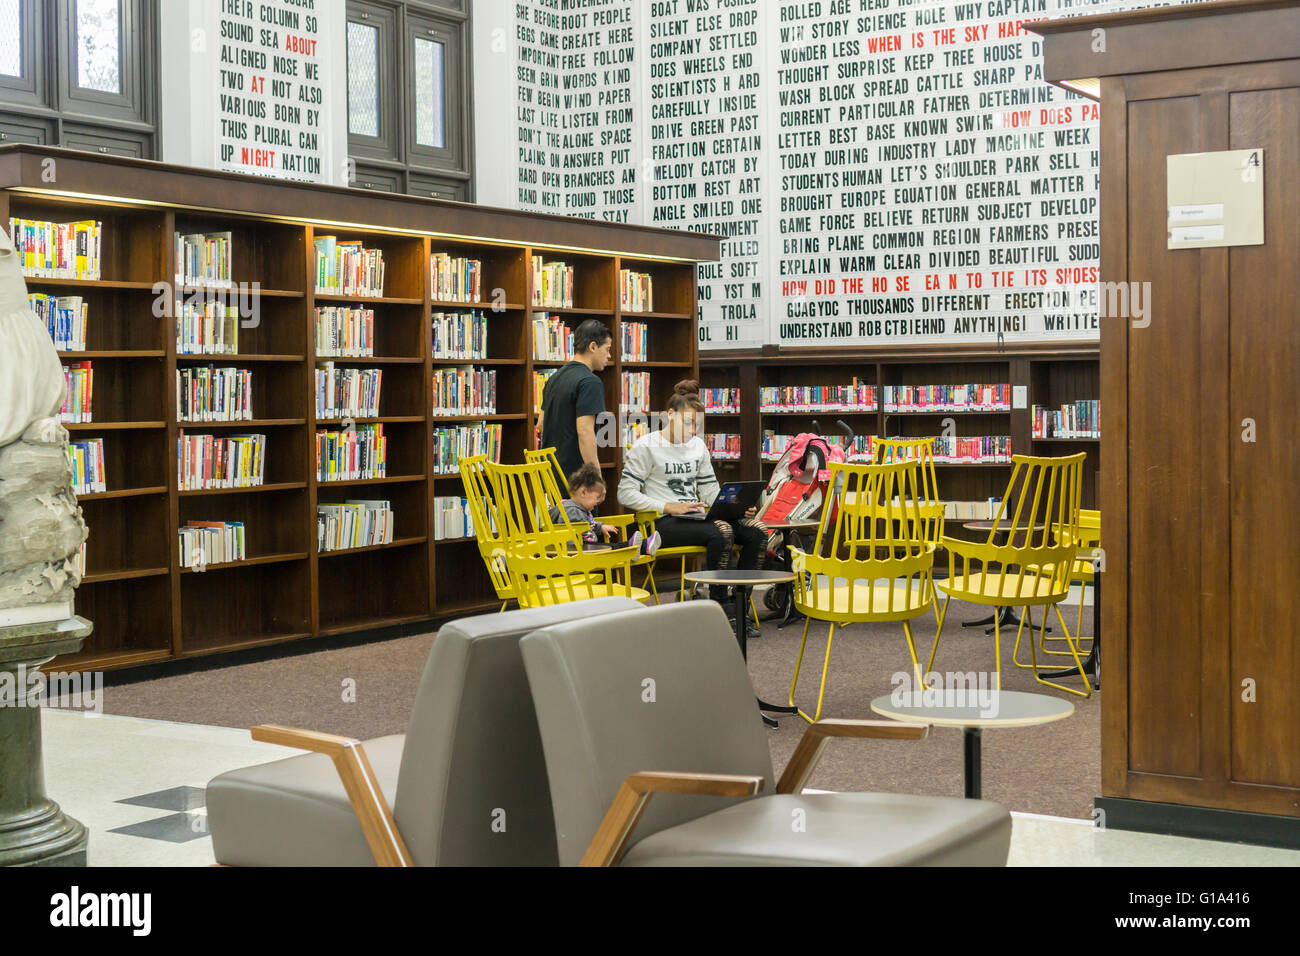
814	740
635	792
359	781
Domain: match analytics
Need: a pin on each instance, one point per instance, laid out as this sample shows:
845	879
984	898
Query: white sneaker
634	542
652	543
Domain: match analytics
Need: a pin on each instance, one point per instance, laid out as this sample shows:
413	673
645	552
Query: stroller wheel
772	598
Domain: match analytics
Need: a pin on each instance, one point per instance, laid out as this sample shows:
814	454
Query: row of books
723	445
206	328
79	381
214	394
986	510
854	397
347	392
552	284
464	390
552	339
982	449
635	291
212	542
206	462
860	449
451	519
58	250
635	340
354	454
345	333
1073	420
540	378
354	524
348	268
947	398
720	399
451	444
87	460
64	317
459	335
632	431
203	259
455	279
634	391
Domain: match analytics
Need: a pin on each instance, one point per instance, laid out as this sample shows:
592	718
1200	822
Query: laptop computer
733	500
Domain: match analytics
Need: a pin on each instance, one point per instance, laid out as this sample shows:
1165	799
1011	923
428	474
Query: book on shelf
634	392
206	327
203	260
87	461
985	510
636	291
345	333
348	268
207	393
635	340
452	443
451	518
355	523
973	450
552	284
347	392
861	449
58	250
854	397
722	445
354	454
947	398
459	335
216	462
464	390
79	382
632	431
720	400
540	378
552	339
79	562
454	279
1072	420
64	317
212	542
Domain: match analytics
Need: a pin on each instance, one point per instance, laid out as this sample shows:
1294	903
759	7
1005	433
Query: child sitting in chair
586	492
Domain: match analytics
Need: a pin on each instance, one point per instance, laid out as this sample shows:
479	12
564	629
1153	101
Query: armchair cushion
295	812
838	829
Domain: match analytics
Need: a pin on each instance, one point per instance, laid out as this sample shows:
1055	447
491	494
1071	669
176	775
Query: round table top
965	707
739	577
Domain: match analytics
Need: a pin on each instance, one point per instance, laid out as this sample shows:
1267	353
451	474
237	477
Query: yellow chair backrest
524	496
488	528
550	568
874	535
534	455
1038	521
887	450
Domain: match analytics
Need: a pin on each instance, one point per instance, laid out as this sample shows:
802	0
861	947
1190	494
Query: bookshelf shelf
145	605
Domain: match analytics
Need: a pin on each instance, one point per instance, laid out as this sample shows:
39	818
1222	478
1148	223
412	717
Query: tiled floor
138	786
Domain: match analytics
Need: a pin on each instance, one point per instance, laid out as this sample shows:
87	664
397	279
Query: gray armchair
467	781
659	701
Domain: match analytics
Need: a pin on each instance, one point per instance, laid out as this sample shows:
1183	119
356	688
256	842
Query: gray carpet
1051	769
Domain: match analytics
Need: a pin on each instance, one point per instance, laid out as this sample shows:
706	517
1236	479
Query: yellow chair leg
911	649
798	661
754	610
826	663
650	580
938	632
1075	652
503	606
1015	651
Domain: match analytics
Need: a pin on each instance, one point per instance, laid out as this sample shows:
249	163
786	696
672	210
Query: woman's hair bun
687	386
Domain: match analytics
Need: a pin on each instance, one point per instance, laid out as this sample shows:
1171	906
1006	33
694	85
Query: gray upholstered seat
666	690
471	758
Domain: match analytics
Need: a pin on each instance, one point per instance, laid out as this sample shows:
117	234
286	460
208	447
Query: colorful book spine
79	381
87	461
455	279
636	291
723	446
854	397
635	392
64	318
355	454
348	268
354	524
464	391
58	250
347	392
345	333
540	378
215	462
203	260
214	394
552	339
1073	420
206	327
552	284
635	342
721	400
972	450
212	542
451	444
459	335
451	519
947	398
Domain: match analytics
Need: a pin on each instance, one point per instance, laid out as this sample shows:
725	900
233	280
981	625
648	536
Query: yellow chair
1082	573
1033	567
878	545
488	528
523	496
932	509
531	456
645	521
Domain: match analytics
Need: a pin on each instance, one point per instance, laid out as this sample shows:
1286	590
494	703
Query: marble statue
41	529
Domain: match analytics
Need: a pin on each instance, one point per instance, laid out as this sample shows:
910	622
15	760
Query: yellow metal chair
533	455
645	521
932	509
488	528
871	561
1082	573
523	495
1039	516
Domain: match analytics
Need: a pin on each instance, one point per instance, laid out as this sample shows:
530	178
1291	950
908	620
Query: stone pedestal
33	830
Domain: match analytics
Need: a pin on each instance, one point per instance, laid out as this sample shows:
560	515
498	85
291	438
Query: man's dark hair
589	332
588	476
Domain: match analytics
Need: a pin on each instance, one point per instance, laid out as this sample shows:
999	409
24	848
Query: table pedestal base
971	748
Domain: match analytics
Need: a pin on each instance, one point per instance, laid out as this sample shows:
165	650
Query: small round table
740	582
953	708
790	538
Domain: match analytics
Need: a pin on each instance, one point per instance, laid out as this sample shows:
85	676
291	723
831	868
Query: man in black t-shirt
574	397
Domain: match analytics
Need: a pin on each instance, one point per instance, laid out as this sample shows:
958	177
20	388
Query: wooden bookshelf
1052	375
145	606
